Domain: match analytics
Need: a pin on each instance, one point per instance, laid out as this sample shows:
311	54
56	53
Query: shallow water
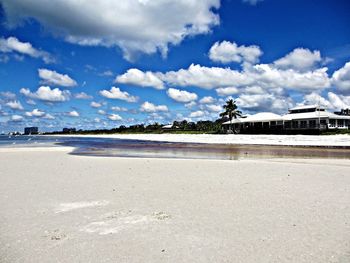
134	148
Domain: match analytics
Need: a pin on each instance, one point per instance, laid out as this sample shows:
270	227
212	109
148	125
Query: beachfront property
31	130
301	119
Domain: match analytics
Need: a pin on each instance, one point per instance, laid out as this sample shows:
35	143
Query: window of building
295	124
303	124
312	123
331	123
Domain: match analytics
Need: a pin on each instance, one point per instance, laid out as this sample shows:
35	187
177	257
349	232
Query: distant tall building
31	130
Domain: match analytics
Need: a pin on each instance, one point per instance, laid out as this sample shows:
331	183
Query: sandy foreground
247	139
57	207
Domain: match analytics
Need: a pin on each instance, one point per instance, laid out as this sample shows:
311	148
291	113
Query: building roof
304	107
262	116
269	116
168	126
312	115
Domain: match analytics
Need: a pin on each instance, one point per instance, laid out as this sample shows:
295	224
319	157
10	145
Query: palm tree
231	111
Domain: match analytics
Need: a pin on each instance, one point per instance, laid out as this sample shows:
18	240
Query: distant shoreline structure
309	119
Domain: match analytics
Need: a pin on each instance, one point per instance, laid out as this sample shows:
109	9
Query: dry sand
57	207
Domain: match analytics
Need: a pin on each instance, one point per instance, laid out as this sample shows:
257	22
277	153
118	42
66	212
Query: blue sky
101	65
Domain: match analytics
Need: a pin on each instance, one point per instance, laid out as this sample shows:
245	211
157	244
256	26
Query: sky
102	64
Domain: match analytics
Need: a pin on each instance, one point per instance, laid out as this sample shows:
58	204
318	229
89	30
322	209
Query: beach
58	207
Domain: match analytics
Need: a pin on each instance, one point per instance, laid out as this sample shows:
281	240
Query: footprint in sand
113	223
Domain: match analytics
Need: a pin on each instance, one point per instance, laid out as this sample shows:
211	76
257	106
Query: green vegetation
336	131
178	127
231	111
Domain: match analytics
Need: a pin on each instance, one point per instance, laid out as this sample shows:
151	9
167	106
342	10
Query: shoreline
342	141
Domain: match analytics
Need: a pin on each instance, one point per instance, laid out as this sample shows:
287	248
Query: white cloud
264	102
95	104
54	78
15	105
116	93
190	104
82	96
114	117
299	59
30	102
135	26
73	114
8	95
117	108
252	2
227	91
12	44
197	114
264	75
16	118
205	77
333	101
137	77
181	95
150	107
47	94
214	108
35	113
227	52
341	78
107	73
49	116
102	112
206	100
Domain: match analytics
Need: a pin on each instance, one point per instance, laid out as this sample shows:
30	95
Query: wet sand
57	207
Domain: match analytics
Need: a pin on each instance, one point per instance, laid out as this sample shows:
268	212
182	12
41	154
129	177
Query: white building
303	119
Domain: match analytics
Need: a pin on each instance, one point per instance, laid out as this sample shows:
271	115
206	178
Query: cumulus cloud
333	101
15	105
341	78
181	95
227	52
264	102
82	96
95	104
117	108
206	100
264	75
114	117
101	112
227	91
116	93
197	114
8	95
134	26
47	94
214	108
299	59
54	78
150	107
35	113
73	114
16	118
12	44
49	116
137	77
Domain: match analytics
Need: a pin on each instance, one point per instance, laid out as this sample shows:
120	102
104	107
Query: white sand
163	210
259	139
